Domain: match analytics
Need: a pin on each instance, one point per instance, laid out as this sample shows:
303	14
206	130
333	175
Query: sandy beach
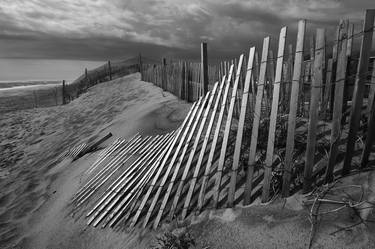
37	187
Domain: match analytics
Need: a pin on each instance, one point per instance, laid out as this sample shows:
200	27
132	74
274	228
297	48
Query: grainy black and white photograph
187	124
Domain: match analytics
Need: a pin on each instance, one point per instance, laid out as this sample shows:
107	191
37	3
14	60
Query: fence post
63	92
164	75
109	70
359	88
316	84
140	65
204	68
295	85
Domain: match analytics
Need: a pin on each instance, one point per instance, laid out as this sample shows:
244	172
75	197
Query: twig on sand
313	216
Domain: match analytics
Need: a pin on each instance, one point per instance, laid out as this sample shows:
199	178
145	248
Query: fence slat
273	118
203	149
183	130
316	84
296	81
178	165
359	88
240	128
215	139
338	100
256	120
228	125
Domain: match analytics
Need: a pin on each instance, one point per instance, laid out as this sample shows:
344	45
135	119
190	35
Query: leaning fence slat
178	165
215	139
182	130
256	120
296	81
273	118
203	150
316	84
338	101
181	142
192	154
228	125
359	87
240	128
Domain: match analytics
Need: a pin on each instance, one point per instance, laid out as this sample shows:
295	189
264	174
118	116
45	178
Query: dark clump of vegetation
174	241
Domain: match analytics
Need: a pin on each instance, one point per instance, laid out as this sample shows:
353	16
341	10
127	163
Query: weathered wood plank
214	142
316	85
240	128
256	120
338	100
359	87
226	133
204	146
192	153
296	81
178	165
273	117
179	138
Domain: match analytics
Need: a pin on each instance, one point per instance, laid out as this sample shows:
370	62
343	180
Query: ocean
43	70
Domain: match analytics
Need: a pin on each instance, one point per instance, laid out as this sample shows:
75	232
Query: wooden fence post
296	81
338	100
109	70
63	92
359	87
273	118
316	84
140	66
204	68
164	75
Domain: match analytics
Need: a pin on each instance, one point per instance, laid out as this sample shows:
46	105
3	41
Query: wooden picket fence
181	78
274	125
108	71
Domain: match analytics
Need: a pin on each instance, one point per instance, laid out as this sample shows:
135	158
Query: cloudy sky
112	29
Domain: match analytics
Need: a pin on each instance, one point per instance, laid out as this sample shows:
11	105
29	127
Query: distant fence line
181	78
108	71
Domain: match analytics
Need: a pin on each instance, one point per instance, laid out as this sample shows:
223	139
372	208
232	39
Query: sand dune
34	194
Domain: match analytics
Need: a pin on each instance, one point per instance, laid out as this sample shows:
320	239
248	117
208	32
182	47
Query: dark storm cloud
102	29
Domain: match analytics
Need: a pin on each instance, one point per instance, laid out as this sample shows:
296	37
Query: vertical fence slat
256	120
240	127
316	84
296	81
273	117
359	88
338	101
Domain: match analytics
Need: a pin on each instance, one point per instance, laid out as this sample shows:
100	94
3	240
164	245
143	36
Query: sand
37	189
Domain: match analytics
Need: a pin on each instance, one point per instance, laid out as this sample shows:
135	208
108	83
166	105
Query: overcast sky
112	29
